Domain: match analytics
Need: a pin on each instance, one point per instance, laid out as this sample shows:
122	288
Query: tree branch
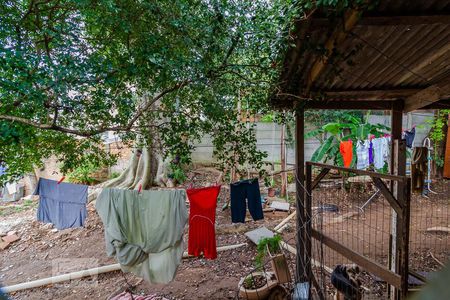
89	133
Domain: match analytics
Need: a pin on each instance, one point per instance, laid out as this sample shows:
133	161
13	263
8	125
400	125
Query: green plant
114	175
437	134
290	178
83	174
273	244
178	174
352	128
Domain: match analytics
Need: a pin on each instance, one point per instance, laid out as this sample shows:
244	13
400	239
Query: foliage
331	134
11	209
83	174
169	72
114	175
437	133
272	243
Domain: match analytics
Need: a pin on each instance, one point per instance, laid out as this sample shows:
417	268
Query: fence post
398	224
308	219
300	194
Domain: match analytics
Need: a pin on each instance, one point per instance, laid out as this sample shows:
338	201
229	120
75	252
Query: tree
159	74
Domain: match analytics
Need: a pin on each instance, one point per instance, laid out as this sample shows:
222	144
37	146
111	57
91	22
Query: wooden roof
398	52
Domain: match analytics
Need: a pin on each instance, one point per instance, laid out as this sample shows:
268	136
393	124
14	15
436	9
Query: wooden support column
308	225
397	167
300	195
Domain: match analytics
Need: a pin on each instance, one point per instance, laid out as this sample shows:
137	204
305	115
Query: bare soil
42	252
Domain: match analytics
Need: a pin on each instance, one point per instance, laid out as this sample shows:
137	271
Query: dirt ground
42	252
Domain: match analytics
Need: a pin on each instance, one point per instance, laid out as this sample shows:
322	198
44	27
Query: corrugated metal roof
392	53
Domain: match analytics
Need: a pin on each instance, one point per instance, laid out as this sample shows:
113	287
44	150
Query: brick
10	238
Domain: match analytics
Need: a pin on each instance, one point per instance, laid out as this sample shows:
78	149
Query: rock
10	238
4	245
12	232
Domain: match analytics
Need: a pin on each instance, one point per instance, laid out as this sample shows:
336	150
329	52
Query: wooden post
300	195
283	162
397	167
308	227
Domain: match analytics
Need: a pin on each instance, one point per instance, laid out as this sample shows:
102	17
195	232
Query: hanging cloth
241	190
409	137
346	149
362	155
144	230
370	153
202	219
380	152
62	204
419	167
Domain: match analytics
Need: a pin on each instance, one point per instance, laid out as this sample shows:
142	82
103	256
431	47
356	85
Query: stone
256	235
4	245
10	238
280	205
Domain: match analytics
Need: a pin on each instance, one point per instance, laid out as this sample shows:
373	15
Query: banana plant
332	134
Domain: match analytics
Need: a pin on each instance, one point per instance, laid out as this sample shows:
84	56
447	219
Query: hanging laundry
362	154
380	151
241	190
419	168
202	220
11	188
370	152
409	137
2	169
346	149
144	230
62	204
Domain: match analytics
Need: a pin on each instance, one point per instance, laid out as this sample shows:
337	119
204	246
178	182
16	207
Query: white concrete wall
268	138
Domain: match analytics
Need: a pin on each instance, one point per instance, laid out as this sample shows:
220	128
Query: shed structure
393	56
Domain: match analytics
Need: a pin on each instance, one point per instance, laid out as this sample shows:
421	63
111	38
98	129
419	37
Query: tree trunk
145	168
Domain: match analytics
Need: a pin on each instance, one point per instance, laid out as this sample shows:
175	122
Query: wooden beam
319	177
428	96
350	19
365	263
381	20
387	194
371	94
372	105
360	172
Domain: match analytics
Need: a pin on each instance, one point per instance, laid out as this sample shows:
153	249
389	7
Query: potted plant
271	247
271	188
257	285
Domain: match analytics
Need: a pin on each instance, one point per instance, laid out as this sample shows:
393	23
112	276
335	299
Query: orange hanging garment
346	149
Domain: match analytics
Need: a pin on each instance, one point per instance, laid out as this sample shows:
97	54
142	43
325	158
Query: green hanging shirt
144	231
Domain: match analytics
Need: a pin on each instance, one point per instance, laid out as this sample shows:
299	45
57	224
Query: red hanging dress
202	218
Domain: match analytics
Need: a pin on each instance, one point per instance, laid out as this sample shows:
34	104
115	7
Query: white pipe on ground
86	273
277	228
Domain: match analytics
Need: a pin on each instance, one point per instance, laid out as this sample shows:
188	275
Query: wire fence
351	210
